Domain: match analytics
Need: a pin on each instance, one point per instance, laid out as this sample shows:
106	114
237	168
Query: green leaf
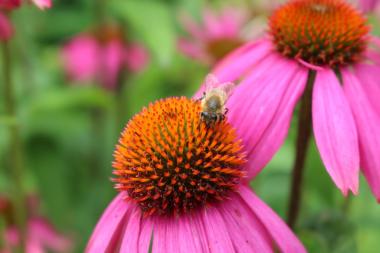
153	21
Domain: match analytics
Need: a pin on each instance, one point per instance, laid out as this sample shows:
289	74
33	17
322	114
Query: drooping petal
108	231
159	238
136	57
335	132
247	232
43	232
145	235
130	240
367	122
261	108
81	58
43	4
217	232
242	59
111	62
370	78
6	29
279	231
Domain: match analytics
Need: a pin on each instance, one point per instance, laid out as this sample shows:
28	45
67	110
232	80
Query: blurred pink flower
6	29
88	58
218	34
40	237
9	4
42	4
147	213
345	107
368	5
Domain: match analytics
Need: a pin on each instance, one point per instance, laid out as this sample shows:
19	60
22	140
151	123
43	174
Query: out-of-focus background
82	68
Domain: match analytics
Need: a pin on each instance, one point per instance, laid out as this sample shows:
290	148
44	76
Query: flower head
6	29
40	234
102	56
182	186
329	38
218	35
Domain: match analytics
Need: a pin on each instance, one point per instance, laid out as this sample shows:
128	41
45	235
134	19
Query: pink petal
239	61
108	230
146	231
192	49
130	241
33	246
41	230
9	4
335	132
369	77
180	234
217	232
81	58
111	63
247	232
368	5
281	234
43	4
367	122
261	108
242	59
136	57
6	30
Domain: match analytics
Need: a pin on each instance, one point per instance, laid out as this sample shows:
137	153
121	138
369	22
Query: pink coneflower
102	56
40	237
327	43
183	187
218	34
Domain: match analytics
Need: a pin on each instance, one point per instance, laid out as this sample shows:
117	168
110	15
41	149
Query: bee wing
228	88
211	82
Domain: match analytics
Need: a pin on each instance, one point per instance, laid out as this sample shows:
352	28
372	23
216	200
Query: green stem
15	148
302	144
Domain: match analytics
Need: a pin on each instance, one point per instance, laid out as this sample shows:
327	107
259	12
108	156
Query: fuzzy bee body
213	101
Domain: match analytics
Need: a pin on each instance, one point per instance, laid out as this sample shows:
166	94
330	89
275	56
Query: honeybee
213	101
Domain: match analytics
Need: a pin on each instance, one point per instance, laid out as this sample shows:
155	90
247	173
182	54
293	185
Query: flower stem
303	139
15	149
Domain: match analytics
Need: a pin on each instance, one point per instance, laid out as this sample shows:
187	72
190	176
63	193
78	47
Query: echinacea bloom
218	34
183	187
102	57
41	236
327	44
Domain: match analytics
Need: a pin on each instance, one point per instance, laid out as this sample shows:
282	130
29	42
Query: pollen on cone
170	162
320	32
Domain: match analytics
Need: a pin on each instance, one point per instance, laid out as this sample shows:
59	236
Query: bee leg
226	111
201	98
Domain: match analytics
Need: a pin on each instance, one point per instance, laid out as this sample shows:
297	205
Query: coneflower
184	188
322	49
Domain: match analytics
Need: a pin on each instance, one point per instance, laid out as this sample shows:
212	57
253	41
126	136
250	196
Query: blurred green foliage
69	130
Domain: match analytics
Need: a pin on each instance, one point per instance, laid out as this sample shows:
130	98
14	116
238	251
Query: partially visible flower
322	47
102	56
217	34
42	4
183	188
6	29
41	236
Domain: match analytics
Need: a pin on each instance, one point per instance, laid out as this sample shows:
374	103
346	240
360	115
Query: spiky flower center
320	32
170	162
